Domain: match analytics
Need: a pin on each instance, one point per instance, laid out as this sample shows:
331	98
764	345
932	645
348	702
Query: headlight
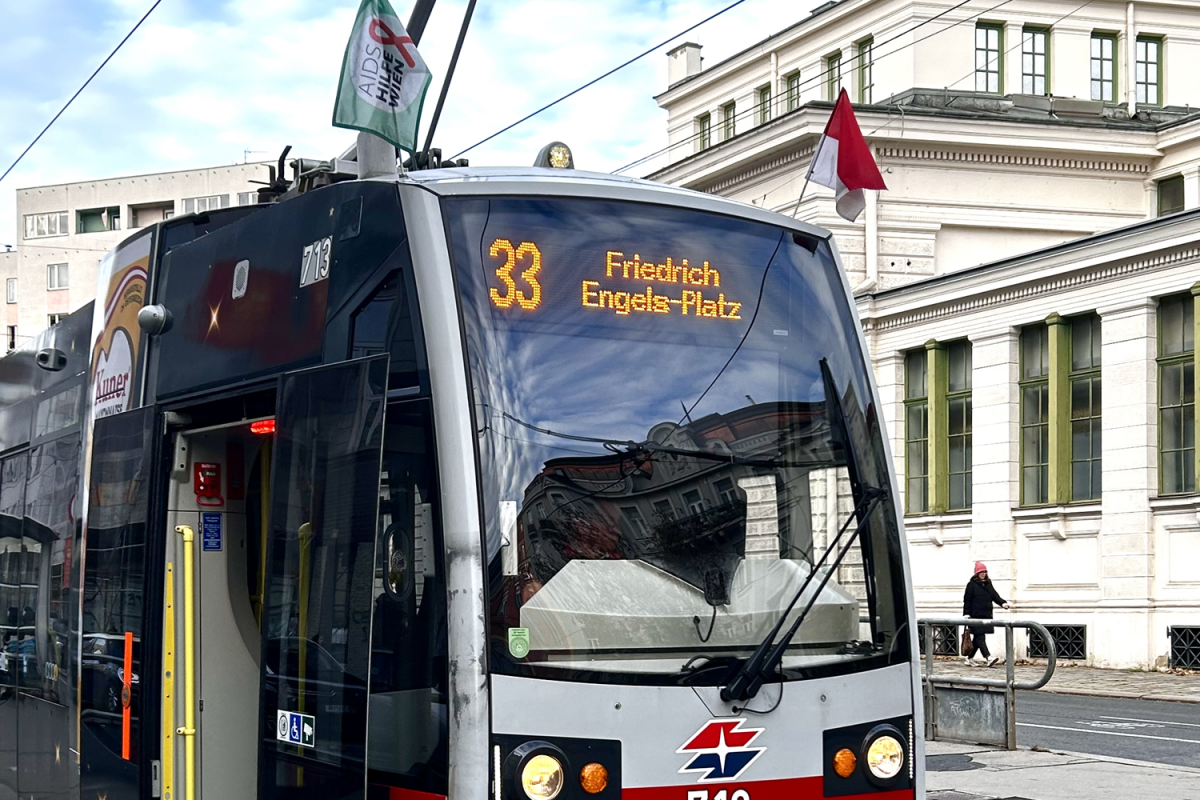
542	777
885	757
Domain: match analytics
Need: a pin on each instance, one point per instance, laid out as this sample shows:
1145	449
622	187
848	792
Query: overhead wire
617	68
842	66
80	90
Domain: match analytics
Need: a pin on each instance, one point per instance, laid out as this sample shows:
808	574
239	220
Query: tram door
320	582
216	491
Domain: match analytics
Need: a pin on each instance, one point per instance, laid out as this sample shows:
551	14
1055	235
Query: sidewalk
1089	681
971	772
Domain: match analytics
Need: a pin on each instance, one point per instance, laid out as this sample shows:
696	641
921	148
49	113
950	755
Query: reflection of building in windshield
695	518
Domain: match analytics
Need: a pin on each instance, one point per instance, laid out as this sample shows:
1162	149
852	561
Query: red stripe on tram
783	789
126	695
396	793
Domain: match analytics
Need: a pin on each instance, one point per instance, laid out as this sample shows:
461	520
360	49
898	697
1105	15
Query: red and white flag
843	162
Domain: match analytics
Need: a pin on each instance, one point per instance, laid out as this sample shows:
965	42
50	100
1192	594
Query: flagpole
807	177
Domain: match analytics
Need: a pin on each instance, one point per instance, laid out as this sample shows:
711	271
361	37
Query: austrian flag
843	162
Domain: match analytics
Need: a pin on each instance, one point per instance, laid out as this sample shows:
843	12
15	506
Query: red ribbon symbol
381	33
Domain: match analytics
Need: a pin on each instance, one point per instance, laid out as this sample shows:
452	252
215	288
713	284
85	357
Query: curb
1128	762
1169	698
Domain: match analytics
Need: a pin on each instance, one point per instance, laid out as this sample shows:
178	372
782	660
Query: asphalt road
1145	730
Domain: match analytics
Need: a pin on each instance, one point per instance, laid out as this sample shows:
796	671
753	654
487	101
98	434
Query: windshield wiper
766	659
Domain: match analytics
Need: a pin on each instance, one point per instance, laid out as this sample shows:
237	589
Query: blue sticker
210	531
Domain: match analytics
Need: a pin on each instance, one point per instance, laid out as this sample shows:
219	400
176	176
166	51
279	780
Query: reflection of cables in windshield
757	306
704	637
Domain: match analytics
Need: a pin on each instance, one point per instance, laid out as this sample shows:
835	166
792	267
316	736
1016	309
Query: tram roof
579	183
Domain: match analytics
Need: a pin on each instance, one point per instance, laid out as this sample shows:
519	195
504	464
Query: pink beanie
980	567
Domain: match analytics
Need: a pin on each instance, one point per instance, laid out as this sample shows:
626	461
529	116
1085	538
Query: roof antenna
423	161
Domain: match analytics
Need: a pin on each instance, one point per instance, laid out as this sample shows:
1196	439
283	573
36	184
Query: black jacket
977	602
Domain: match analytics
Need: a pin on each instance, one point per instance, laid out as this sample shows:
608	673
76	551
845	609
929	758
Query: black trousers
979	639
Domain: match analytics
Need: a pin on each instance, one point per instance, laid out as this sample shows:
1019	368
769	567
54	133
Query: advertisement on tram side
116	349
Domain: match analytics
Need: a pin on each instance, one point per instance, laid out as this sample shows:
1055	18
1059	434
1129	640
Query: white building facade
1039	128
64	230
1042	415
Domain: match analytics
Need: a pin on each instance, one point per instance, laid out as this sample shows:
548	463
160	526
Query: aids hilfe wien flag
384	79
843	162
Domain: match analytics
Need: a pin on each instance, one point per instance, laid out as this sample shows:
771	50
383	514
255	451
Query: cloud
201	82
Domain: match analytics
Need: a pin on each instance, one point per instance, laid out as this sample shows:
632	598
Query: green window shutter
1195	368
939	454
1059	330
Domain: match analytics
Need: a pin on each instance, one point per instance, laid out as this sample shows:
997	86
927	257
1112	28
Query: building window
703	131
763	108
56	276
793	91
199	205
54	319
725	491
1170	195
96	220
916	432
1035	415
12	338
1035	52
1084	383
1176	395
728	120
52	224
664	511
636	520
833	76
693	502
866	70
1104	67
247	198
1148	70
989	58
12	290
958	428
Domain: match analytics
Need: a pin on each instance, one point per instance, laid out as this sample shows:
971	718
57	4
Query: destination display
614	282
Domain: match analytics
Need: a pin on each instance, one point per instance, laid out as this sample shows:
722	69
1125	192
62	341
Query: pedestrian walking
977	604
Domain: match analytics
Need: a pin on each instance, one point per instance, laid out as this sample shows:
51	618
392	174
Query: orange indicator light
593	778
263	426
844	763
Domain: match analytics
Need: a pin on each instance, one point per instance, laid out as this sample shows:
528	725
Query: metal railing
978	719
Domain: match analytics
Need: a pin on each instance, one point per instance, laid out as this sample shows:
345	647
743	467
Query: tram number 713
314	263
722	794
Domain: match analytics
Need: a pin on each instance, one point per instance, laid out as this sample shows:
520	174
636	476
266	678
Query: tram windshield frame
658	472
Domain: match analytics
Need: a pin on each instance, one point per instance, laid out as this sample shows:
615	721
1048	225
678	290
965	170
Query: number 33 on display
525	253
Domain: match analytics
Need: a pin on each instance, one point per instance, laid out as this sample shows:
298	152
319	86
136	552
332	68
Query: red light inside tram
263	426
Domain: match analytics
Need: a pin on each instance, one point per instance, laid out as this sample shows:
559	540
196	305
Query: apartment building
64	230
1025	284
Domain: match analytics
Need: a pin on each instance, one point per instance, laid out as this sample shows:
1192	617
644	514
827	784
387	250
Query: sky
204	81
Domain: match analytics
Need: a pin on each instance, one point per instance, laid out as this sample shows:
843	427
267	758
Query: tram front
693	571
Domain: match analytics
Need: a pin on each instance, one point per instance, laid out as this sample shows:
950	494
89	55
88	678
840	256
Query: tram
480	483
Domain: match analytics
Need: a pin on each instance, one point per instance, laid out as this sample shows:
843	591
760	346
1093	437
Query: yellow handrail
188	731
168	750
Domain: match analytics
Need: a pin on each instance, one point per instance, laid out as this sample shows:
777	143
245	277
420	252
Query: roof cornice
1145	246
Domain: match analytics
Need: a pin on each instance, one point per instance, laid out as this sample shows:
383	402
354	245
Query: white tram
491	484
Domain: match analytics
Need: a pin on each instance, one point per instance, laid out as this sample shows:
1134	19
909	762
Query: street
1144	730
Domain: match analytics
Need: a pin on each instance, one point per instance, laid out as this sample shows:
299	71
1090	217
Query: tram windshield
662	467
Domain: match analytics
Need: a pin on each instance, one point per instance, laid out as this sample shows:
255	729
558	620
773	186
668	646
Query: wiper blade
762	663
749	679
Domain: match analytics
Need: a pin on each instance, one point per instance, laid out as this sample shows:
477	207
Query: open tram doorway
319	601
219	488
